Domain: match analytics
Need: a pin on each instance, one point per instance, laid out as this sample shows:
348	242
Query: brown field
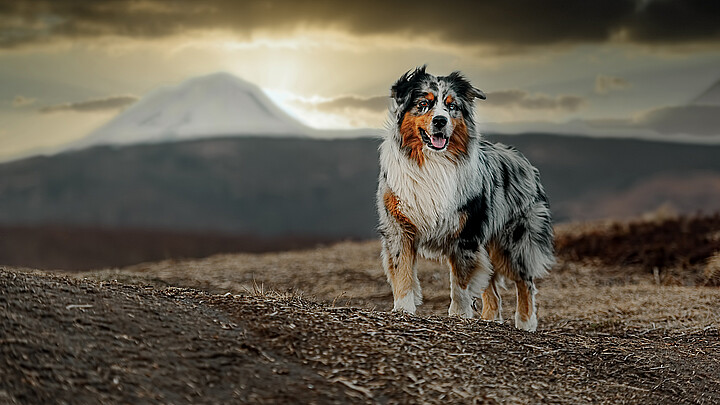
84	248
619	323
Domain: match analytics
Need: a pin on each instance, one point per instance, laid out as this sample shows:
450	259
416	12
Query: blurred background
142	130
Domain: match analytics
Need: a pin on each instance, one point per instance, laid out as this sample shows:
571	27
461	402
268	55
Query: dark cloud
103	104
525	100
372	104
494	22
675	21
605	84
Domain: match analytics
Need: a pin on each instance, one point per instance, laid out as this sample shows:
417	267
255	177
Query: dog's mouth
436	141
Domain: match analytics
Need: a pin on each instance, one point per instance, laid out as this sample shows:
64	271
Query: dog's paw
530	325
405	304
497	319
463	312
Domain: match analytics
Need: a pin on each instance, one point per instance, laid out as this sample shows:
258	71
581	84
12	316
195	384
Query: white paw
530	325
406	304
463	311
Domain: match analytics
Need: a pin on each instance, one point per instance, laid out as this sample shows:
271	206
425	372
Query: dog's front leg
470	273
399	261
399	253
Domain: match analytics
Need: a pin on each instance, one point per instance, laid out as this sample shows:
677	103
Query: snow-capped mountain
210	106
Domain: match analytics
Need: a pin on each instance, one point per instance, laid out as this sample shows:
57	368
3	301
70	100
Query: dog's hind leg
529	254
491	301
526	312
470	273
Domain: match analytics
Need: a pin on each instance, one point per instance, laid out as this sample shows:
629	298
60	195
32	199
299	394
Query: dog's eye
423	104
452	106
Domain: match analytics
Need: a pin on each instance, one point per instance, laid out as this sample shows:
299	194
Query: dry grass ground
581	297
312	327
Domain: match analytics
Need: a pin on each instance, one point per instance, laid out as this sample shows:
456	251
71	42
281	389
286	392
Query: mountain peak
214	105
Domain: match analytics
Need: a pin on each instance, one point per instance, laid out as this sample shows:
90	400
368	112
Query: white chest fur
430	194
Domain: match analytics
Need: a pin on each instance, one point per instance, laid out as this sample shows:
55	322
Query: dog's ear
476	93
402	88
393	105
463	86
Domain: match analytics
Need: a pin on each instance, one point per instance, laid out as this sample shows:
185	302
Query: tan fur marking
452	238
502	266
400	269
500	261
460	139
461	224
524	300
392	205
490	301
448	99
412	142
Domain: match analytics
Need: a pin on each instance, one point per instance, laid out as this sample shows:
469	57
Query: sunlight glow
301	109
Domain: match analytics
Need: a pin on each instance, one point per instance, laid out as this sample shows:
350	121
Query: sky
67	67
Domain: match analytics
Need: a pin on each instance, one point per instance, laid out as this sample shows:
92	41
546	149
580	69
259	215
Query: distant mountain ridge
326	188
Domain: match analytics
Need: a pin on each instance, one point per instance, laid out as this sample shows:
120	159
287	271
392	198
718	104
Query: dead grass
316	323
581	297
675	247
712	270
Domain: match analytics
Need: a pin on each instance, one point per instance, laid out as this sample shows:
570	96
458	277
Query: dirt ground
312	327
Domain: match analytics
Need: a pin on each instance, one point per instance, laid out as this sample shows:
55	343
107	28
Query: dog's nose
439	122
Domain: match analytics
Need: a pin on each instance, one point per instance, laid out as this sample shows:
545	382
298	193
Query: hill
281	186
195	198
257	186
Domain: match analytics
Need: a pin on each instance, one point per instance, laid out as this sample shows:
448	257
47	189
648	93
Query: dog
446	193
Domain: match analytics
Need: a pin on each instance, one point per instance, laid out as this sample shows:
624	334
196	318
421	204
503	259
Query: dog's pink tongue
438	141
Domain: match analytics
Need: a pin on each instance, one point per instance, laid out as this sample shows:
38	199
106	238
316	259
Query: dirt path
67	340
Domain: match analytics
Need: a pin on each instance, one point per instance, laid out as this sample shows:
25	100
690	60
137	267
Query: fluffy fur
445	193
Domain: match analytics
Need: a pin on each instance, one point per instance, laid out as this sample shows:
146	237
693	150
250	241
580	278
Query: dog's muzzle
436	141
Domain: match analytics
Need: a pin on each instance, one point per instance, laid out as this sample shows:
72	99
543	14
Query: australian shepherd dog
445	193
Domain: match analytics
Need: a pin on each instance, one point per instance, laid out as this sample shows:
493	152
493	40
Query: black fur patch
505	176
407	89
478	214
518	232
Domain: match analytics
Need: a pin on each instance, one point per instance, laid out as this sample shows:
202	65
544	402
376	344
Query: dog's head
434	112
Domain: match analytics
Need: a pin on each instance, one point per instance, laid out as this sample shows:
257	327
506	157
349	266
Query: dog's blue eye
422	104
452	106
